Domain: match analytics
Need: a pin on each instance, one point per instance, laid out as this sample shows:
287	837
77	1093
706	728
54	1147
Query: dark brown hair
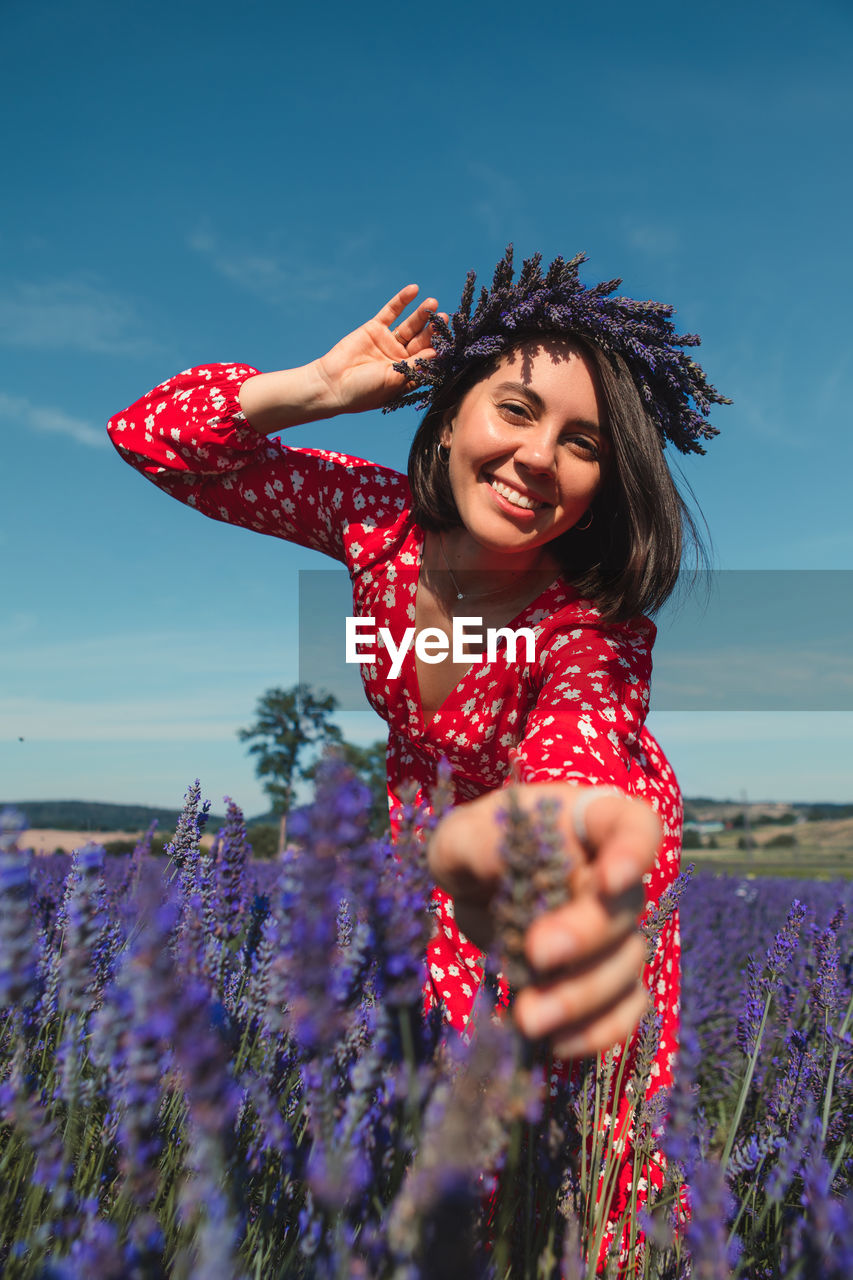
628	560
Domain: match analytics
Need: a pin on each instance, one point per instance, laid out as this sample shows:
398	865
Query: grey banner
739	640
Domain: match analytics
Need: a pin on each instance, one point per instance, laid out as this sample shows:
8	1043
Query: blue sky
194	182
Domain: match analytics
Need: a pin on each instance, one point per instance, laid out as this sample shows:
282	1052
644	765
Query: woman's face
527	447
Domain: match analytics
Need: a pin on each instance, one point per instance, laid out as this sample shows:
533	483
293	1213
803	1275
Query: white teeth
517	499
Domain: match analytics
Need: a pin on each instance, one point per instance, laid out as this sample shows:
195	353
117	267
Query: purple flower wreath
642	333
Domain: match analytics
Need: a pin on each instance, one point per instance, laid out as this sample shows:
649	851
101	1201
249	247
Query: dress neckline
557	584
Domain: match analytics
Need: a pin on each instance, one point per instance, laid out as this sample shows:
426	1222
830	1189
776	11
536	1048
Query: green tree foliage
287	722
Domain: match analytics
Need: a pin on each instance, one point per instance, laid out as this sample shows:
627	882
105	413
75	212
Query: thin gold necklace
467	595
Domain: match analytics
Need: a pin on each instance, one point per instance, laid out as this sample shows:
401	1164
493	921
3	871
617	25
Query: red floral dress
575	714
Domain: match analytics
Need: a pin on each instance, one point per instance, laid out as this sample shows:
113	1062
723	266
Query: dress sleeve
190	438
590	707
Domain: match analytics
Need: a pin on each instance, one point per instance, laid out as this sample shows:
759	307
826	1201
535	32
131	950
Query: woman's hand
358	373
586	956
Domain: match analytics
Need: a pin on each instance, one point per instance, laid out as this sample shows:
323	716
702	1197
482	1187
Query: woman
538	496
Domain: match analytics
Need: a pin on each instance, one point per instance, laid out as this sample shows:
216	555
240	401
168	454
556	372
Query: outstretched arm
200	435
587	956
357	374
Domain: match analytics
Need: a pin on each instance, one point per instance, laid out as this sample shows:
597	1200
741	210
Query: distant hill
701	809
87	815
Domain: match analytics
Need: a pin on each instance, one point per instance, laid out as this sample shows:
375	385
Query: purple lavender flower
801	1139
136	862
665	907
12	823
85	926
784	945
333	835
752	1011
201	1052
764	983
215	1253
232	856
536	879
707	1235
97	1251
464	1132
823	1237
183	850
826	988
273	1134
679	1142
397	911
18	940
148	985
24	1106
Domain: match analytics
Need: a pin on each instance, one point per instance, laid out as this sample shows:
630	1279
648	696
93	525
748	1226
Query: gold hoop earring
582	528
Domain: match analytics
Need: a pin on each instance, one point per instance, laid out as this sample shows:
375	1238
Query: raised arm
200	436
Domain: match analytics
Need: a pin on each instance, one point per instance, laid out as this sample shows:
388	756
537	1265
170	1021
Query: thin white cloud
258	273
42	418
17	625
69	313
654	239
281	276
732	678
499	204
769	755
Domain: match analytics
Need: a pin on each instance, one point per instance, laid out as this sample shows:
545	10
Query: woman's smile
514	496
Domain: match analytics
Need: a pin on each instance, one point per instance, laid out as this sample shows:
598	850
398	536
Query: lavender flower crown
642	333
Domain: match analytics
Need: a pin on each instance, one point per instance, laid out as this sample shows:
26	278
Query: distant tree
288	721
691	840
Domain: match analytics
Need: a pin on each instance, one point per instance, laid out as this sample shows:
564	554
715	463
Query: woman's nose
537	451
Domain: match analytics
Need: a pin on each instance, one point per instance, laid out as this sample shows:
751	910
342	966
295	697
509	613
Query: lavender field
216	1068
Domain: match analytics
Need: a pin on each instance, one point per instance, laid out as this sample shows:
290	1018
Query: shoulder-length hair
628	559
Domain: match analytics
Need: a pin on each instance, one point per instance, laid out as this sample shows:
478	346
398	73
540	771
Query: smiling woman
538	497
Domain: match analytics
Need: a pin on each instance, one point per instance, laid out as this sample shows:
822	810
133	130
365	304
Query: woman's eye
585	445
515	410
